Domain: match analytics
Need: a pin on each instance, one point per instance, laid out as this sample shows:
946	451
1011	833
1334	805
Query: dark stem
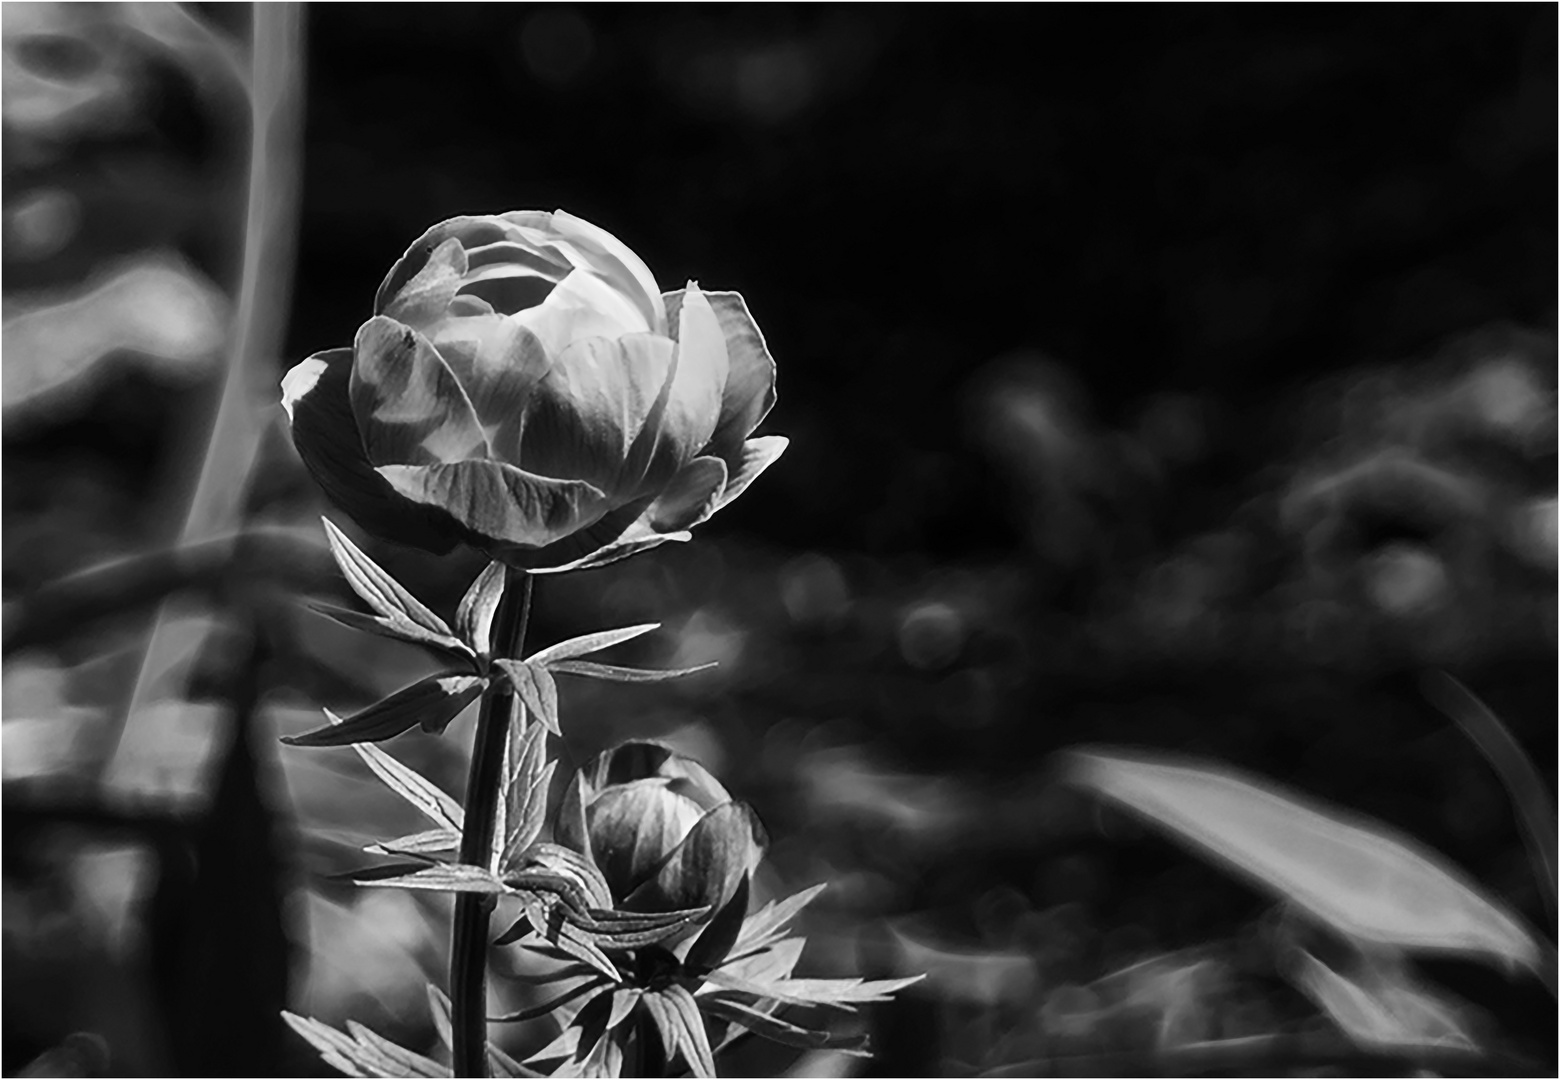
468	943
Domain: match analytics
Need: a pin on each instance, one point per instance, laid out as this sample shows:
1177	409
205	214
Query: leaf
589	643
446	877
769	920
474	616
840	993
1381	1008
443	1012
378	589
613	673
535	687
363	1053
419	845
1358	876
397	628
782	1031
535	1012
529	826
432	702
414	787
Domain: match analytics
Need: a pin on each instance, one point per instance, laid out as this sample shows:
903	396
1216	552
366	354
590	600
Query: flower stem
469	940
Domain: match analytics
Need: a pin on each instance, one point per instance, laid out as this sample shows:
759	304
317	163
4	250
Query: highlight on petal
315	394
581	306
757	455
750	383
429	292
617	264
410	408
499	502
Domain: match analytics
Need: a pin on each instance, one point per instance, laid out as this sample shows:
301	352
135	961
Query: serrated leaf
474	616
613	673
590	988
1357	875
399	628
432	702
378	589
782	1031
423	845
534	686
589	643
414	787
770	920
446	877
363	1053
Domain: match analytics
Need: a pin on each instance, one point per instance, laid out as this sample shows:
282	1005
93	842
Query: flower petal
691	497
410	408
757	455
498	363
585	416
499	502
634	826
471	231
750	385
692	407
427	295
581	306
616	263
315	394
707	866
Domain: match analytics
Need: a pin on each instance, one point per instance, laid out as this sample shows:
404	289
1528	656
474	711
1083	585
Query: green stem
469	940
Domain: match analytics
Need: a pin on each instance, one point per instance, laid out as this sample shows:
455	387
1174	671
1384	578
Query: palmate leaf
1358	876
432	703
390	601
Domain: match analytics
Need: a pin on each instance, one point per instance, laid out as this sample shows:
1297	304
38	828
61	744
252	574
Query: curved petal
587	412
471	231
614	261
499	502
581	306
692	407
634	826
583	547
410	408
756	456
750	385
315	394
706	868
498	363
427	295
642	760
691	497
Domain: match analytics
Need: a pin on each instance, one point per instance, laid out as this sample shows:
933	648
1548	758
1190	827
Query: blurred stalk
469	938
270	228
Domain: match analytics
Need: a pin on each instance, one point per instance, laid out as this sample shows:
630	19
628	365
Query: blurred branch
216	504
61	608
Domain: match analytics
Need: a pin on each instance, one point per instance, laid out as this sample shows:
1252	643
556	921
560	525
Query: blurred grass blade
1356	875
216	503
1535	809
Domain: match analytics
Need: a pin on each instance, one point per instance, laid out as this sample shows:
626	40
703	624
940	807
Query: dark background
1173	376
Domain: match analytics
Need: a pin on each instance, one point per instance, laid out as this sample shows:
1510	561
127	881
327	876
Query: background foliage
1174	377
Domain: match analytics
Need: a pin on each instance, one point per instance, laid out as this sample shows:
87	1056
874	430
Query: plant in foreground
524	387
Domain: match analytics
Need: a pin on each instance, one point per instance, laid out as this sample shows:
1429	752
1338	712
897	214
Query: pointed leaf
413	786
363	1053
682	1031
623	1001
446	877
474	616
840	993
399	628
534	1012
404	1062
771	919
774	961
442	1011
715	941
501	1064
378	589
613	673
432	702
534	686
525	830
782	1031
419	845
1356	875
589	643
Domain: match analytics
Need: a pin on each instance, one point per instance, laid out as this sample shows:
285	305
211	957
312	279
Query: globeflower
523	386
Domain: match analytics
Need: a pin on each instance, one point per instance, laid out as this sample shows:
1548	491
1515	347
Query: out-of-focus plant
1360	898
524	387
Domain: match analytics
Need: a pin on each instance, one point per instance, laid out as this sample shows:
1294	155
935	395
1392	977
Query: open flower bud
661	829
524	386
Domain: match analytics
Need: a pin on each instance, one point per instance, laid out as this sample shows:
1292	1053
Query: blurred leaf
412	786
432	702
405	616
1358	876
362	1053
474	616
1381	1008
535	687
589	643
612	673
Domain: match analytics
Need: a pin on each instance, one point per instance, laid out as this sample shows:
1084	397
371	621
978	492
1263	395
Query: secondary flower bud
523	386
664	833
